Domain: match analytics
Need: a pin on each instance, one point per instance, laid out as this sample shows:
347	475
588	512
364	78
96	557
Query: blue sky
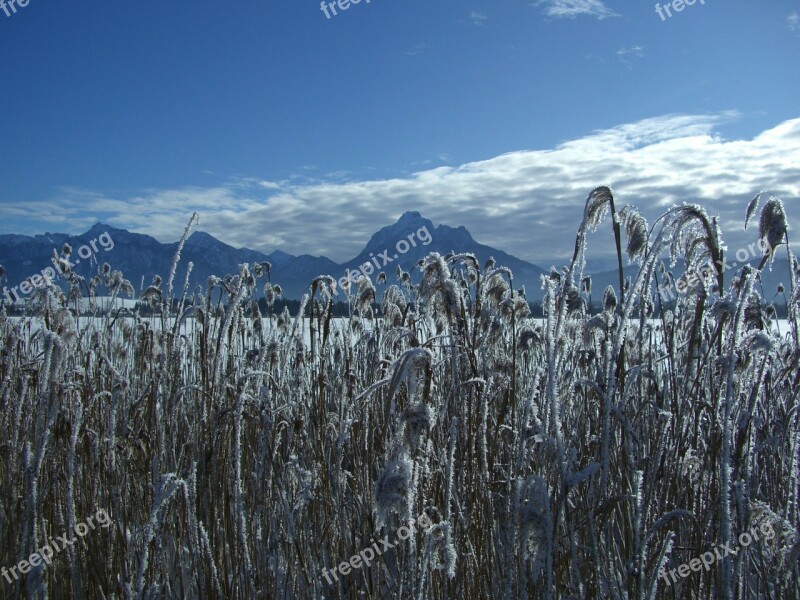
286	129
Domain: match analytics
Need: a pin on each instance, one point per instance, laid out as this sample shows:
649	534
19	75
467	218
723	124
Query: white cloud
793	20
477	18
527	202
269	185
416	49
560	9
633	50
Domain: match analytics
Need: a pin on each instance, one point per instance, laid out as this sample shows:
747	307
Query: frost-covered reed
570	457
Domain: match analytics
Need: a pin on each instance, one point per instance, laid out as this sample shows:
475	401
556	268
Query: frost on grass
241	448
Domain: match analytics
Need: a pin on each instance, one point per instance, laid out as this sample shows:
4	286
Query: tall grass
237	460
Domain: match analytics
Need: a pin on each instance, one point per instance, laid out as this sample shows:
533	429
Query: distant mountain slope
419	237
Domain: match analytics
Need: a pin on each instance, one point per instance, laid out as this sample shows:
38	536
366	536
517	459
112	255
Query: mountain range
402	244
141	256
